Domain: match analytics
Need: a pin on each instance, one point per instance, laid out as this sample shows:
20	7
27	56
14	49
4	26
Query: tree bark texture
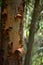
10	27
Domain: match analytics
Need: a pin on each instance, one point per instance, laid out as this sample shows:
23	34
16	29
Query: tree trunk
10	26
32	30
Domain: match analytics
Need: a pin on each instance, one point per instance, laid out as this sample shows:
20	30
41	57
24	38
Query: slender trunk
32	30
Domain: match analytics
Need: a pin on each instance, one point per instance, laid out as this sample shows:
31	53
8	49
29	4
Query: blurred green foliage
0	2
38	38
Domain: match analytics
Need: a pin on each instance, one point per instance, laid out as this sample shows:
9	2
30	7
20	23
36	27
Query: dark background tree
32	30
